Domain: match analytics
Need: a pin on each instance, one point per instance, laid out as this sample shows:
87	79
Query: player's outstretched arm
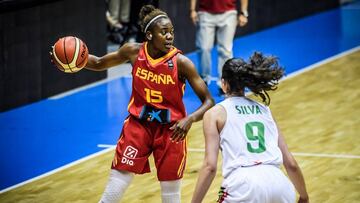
124	54
293	170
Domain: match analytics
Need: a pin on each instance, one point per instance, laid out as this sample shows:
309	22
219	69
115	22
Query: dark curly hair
147	13
259	75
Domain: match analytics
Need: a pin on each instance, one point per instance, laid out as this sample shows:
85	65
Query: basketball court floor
60	149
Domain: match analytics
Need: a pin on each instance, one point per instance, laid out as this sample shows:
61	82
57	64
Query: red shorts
139	139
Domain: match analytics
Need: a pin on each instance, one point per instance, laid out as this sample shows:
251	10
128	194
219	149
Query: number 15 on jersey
153	96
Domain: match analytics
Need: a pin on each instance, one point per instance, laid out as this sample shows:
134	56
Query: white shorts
257	184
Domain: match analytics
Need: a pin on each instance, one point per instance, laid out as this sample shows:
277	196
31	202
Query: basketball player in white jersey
247	135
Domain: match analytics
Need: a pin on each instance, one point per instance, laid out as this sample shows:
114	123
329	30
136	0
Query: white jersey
249	136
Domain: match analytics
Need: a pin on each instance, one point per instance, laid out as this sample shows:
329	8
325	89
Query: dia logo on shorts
127	161
130	153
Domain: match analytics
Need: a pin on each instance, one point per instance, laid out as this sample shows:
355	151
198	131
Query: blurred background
28	29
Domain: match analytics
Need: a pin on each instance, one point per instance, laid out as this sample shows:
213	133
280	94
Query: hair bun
145	10
257	59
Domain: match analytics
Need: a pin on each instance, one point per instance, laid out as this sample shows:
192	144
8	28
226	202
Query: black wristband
244	13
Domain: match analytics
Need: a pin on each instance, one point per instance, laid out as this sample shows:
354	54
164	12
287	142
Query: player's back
249	136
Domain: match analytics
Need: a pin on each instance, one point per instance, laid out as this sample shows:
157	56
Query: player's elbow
210	167
208	100
94	63
291	165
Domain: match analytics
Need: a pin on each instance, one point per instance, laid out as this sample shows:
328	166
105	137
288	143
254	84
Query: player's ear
148	35
224	86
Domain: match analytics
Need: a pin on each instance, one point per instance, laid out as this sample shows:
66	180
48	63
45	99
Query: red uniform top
216	6
156	88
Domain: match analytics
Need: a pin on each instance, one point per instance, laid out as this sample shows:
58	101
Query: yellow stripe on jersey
131	102
154	62
182	165
126	120
115	160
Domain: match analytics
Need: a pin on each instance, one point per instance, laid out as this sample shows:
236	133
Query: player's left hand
242	20
181	129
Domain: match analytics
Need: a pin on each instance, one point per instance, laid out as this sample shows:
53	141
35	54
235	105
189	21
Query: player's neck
153	52
236	94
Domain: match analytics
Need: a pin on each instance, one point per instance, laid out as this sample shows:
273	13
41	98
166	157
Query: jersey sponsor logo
253	109
152	77
130	153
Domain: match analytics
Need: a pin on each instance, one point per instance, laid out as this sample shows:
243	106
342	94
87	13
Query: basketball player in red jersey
157	122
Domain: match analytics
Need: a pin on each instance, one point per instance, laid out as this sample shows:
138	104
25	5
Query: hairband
152	20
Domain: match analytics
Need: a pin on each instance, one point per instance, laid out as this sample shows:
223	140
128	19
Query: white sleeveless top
249	136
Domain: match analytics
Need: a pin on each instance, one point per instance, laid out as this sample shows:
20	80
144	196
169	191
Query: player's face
163	35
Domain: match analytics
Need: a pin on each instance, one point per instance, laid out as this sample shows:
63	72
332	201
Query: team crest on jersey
170	64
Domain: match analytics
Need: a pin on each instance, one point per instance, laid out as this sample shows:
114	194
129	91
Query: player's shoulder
217	114
216	111
185	65
182	59
131	46
129	50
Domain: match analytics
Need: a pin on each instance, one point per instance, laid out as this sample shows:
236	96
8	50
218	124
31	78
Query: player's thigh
170	157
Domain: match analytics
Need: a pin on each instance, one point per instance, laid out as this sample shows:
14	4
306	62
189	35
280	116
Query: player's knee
205	49
122	175
224	53
170	191
168	187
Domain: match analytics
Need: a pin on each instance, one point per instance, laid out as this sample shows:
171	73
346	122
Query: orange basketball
70	54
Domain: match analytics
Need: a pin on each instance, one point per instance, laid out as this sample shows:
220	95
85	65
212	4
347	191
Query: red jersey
216	6
156	88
